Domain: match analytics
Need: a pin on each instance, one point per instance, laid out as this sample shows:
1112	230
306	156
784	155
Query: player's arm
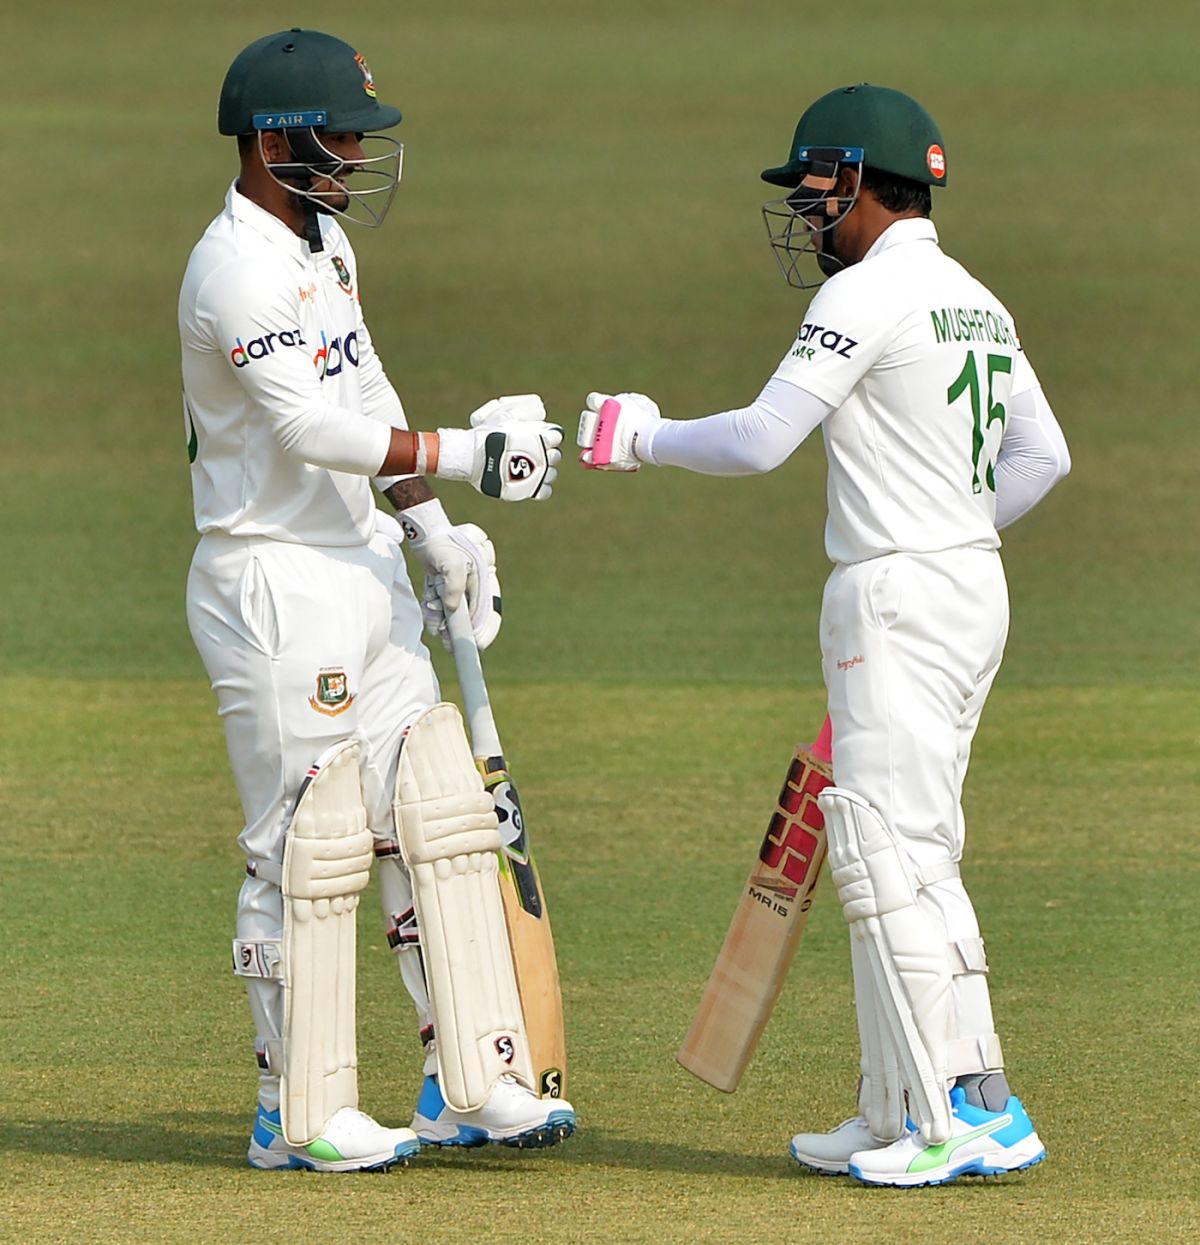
844	332
513	456
621	433
1033	453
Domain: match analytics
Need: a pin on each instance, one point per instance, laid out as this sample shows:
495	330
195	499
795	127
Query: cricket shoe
981	1143
350	1142
830	1153
511	1116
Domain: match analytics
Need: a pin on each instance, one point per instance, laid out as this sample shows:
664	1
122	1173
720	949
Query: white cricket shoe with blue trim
981	1143
830	1153
350	1142
512	1116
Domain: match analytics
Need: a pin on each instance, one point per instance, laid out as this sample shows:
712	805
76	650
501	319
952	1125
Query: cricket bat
525	911
767	926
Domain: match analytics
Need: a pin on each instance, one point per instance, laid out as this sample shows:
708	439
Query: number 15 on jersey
999	384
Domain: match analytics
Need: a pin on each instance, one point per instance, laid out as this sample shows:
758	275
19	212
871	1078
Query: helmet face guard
364	204
803	223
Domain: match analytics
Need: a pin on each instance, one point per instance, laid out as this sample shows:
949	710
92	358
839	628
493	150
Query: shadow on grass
190	1138
597	1148
204	1139
219	1139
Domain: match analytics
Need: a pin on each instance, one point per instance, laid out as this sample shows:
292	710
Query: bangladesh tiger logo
343	273
333	695
368	81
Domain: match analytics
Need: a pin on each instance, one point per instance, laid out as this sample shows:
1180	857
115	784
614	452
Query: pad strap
269	870
967	956
258	957
930	875
974	1054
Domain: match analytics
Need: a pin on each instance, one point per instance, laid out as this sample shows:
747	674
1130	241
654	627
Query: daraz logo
259	347
333	354
329	359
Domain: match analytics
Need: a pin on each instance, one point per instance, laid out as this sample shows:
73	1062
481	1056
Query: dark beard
331	206
827	257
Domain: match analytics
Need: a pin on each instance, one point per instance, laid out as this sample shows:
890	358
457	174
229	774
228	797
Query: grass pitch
579	211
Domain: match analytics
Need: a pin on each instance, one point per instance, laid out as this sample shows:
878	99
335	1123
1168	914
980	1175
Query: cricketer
300	605
938	436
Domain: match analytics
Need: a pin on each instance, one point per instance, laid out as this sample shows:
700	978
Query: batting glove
611	428
459	562
509	452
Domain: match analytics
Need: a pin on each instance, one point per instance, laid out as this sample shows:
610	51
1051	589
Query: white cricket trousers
910	646
306	646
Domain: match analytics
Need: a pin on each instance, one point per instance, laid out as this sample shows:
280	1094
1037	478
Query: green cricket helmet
304	83
861	126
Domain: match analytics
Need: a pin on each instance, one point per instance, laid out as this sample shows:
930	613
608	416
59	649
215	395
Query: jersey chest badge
343	274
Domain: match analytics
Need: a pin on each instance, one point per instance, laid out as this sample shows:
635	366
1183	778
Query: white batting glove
611	427
482	591
515	409
510	451
388	527
455	566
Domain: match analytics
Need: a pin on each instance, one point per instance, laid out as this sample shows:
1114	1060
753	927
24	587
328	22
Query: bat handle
822	749
485	739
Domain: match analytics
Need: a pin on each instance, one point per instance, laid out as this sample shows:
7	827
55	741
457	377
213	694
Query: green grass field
579	211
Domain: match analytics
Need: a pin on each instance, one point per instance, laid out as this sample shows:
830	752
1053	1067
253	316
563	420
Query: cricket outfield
579	210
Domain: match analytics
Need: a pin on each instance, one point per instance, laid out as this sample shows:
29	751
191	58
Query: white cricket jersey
920	361
287	408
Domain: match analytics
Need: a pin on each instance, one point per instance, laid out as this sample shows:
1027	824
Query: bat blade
766	929
529	934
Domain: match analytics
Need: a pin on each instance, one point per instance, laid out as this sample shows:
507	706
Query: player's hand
510	452
515	409
610	428
451	565
459	562
482	589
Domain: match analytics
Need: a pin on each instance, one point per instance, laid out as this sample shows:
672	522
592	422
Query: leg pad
450	837
903	952
326	865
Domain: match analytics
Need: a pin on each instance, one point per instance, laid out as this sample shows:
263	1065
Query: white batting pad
326	864
881	1090
904	953
450	837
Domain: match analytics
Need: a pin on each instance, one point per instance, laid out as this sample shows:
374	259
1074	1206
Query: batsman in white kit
300	605
937	435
